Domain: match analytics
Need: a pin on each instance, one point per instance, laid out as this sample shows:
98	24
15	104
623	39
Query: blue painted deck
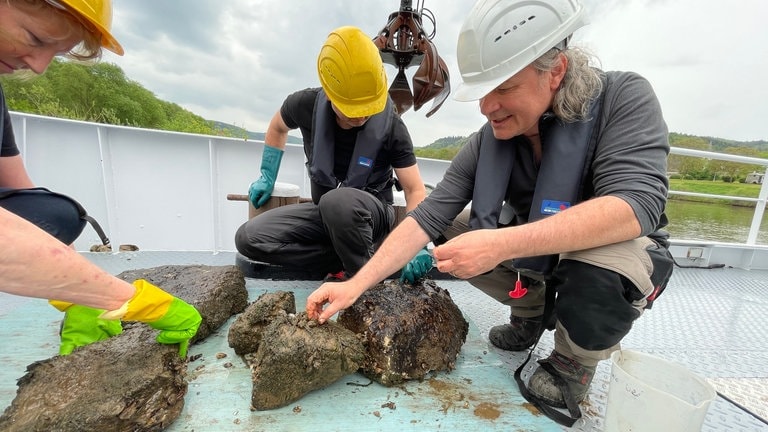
479	394
711	321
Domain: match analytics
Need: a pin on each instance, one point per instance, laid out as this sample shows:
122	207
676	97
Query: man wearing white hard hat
567	184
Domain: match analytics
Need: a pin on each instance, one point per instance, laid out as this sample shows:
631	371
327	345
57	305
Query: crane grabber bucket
404	43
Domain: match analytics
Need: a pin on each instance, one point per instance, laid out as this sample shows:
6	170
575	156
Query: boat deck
712	321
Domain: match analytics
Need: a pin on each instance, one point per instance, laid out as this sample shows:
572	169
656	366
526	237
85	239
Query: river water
714	222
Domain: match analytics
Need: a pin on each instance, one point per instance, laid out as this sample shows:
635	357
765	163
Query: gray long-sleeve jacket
630	162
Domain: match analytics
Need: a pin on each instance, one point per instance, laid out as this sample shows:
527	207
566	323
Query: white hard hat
501	37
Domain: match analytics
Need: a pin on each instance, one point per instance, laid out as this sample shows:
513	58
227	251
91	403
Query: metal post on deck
757	218
760	202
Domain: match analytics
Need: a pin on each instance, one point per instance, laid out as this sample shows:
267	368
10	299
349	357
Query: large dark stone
297	356
129	382
408	330
246	332
218	292
288	354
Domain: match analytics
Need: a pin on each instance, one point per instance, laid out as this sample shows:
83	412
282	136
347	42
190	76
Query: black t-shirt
297	112
8	146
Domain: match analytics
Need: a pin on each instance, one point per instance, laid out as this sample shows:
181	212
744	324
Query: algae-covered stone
408	330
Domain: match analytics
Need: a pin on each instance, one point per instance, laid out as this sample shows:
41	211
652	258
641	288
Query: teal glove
82	326
418	267
261	189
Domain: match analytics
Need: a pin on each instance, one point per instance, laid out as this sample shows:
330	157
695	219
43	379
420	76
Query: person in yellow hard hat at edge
37	225
353	142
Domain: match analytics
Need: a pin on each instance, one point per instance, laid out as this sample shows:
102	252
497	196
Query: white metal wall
167	191
155	189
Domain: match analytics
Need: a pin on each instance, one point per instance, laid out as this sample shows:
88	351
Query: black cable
431	17
740	406
743	408
711	266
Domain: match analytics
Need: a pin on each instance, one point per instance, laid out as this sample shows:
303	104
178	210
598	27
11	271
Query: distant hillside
720	144
237	131
103	93
451	141
446	148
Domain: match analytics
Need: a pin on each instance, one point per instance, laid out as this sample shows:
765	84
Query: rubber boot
519	335
577	378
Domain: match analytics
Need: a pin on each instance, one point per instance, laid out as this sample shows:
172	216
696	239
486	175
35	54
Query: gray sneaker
519	335
576	376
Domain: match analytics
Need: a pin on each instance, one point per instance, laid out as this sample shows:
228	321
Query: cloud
236	60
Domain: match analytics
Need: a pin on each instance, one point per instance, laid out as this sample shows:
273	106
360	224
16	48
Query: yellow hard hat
96	15
352	73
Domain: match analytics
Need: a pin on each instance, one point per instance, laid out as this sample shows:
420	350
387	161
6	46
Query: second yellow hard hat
352	74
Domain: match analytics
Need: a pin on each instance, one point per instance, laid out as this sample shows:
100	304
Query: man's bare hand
337	295
470	254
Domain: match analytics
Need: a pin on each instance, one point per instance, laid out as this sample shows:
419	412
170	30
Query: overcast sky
236	60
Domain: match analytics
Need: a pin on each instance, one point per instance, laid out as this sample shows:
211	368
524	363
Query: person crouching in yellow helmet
353	142
36	225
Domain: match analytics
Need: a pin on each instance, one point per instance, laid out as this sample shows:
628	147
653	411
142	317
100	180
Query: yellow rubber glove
82	325
177	320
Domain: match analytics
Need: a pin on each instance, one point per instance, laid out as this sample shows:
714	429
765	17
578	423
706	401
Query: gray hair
581	84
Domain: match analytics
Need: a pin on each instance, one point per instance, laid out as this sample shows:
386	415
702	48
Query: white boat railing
164	190
761	199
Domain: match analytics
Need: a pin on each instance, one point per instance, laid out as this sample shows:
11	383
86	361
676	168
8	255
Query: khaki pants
598	289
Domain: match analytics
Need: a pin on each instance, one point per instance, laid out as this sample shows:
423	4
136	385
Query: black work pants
341	232
600	293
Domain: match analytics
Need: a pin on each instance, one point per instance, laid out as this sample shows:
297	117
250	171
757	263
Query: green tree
734	171
688	166
101	93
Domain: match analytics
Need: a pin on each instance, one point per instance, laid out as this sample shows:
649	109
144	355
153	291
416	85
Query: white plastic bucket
647	393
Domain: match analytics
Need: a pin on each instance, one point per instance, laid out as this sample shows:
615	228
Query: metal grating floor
711	321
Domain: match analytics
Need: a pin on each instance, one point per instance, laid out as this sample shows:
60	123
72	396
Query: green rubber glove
177	320
82	326
261	189
418	267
